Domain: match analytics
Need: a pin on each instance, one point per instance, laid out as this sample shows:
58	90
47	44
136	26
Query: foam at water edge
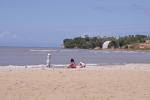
132	65
24	66
34	50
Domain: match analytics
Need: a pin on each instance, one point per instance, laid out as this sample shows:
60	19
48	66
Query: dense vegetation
87	42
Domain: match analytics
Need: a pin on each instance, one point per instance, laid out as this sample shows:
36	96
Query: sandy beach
114	82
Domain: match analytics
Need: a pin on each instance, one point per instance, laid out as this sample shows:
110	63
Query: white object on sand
48	60
82	65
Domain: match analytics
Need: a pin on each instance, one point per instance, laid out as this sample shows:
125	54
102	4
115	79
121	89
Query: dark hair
72	60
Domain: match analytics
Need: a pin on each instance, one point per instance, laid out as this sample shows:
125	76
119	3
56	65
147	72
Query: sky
45	23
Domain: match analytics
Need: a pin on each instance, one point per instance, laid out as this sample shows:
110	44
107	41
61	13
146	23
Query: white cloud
7	34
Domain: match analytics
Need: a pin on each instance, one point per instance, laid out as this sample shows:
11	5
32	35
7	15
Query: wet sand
114	82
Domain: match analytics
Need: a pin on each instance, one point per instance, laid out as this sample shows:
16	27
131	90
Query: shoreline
132	66
138	50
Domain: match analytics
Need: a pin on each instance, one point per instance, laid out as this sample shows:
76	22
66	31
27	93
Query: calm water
36	56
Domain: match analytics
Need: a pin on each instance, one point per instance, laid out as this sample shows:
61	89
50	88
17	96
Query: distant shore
116	49
123	49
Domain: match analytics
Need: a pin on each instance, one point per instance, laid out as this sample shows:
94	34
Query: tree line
87	42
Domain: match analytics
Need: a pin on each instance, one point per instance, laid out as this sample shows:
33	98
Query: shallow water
37	56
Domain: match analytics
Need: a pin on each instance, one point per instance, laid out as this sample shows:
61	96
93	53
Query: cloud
101	8
141	8
7	34
136	6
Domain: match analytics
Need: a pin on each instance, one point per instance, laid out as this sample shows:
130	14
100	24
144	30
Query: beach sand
114	82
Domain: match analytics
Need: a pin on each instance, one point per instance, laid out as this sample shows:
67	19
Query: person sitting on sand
82	65
72	64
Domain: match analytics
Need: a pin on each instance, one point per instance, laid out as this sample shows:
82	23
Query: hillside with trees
87	42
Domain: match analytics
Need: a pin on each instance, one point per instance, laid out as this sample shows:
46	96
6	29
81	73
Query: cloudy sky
48	22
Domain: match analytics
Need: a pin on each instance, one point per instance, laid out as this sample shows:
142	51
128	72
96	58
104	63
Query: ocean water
38	56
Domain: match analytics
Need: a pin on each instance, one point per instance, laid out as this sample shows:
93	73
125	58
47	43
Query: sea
24	56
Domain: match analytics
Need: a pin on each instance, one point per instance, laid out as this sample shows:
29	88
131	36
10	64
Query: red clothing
72	65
